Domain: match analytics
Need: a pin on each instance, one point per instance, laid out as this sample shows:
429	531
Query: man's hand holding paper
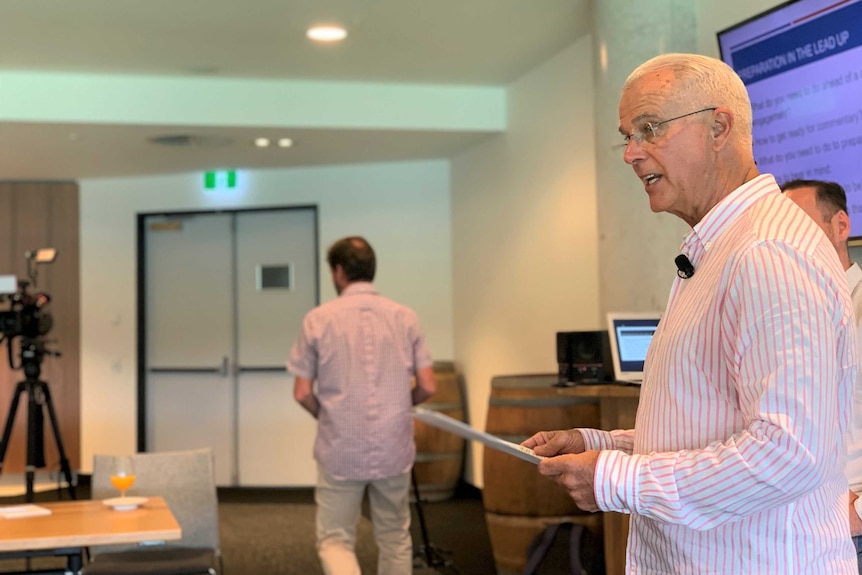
551	443
568	464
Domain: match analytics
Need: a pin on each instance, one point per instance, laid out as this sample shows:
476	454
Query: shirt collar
721	215
854	276
356	288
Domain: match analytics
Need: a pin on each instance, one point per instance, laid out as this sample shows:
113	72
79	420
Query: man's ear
841	225
722	122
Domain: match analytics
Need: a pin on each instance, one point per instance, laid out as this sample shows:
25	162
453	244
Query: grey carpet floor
272	532
278	539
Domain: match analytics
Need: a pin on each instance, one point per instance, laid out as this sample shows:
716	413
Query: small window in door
274	277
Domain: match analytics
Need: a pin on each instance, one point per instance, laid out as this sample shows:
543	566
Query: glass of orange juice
123	474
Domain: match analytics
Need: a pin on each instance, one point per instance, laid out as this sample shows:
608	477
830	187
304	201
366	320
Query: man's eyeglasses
649	131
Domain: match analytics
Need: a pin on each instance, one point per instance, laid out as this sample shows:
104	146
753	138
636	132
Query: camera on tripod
24	314
23	318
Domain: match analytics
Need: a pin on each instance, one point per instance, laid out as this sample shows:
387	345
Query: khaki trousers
339	504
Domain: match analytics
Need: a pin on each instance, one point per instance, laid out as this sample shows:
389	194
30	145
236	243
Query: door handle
221	370
179	369
261	369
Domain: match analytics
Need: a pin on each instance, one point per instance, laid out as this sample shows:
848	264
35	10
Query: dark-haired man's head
826	203
351	260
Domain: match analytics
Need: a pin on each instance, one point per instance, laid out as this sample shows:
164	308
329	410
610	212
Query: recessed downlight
262	142
328	33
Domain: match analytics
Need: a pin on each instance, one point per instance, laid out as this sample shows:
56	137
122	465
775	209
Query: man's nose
633	151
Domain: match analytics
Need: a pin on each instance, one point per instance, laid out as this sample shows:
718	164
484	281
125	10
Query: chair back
185	479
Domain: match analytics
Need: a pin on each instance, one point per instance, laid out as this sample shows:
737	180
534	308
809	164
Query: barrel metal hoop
425	456
537	381
451	406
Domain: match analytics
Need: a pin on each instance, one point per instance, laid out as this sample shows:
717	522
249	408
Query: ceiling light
261	142
327	33
285	142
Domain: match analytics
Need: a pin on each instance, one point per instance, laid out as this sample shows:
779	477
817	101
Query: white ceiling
449	42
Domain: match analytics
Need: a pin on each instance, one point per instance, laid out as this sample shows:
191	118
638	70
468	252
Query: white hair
708	81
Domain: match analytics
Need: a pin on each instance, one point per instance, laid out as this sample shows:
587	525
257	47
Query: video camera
23	314
25	317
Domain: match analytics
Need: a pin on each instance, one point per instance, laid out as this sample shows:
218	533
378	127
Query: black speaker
584	357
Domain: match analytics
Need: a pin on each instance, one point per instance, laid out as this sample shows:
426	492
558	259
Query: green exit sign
223	180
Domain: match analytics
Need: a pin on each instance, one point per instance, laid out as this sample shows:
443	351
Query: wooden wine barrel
439	453
518	501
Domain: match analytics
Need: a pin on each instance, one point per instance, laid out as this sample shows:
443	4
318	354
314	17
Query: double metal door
225	297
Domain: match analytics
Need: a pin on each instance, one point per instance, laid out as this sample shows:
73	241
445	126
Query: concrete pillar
636	246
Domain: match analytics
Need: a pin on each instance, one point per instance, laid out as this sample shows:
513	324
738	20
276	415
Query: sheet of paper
28	510
452	425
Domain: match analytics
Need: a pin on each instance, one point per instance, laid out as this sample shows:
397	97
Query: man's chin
656	205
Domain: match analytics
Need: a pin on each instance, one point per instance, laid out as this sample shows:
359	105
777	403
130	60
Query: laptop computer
630	335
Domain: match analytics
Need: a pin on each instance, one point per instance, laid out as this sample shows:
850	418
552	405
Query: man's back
367	349
363	350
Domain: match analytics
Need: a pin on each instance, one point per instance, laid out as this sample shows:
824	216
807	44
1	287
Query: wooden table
73	525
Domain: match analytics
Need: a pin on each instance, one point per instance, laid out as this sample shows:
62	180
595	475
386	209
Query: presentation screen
802	65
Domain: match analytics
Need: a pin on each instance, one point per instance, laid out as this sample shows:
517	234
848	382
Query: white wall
403	209
525	234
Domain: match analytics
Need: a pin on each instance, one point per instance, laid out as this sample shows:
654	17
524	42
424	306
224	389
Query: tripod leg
10	420
64	461
35	440
434	557
426	546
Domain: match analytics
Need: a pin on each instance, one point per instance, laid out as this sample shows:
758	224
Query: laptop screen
630	335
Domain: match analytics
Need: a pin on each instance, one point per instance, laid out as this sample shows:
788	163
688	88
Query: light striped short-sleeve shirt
363	349
854	448
736	461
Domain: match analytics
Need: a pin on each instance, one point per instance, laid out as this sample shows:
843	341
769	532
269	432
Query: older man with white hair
735	463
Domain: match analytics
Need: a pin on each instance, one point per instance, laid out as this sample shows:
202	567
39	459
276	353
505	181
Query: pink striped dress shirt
363	349
736	461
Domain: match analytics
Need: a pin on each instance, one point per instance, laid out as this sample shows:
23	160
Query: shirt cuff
596	439
857	504
616	485
297	371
